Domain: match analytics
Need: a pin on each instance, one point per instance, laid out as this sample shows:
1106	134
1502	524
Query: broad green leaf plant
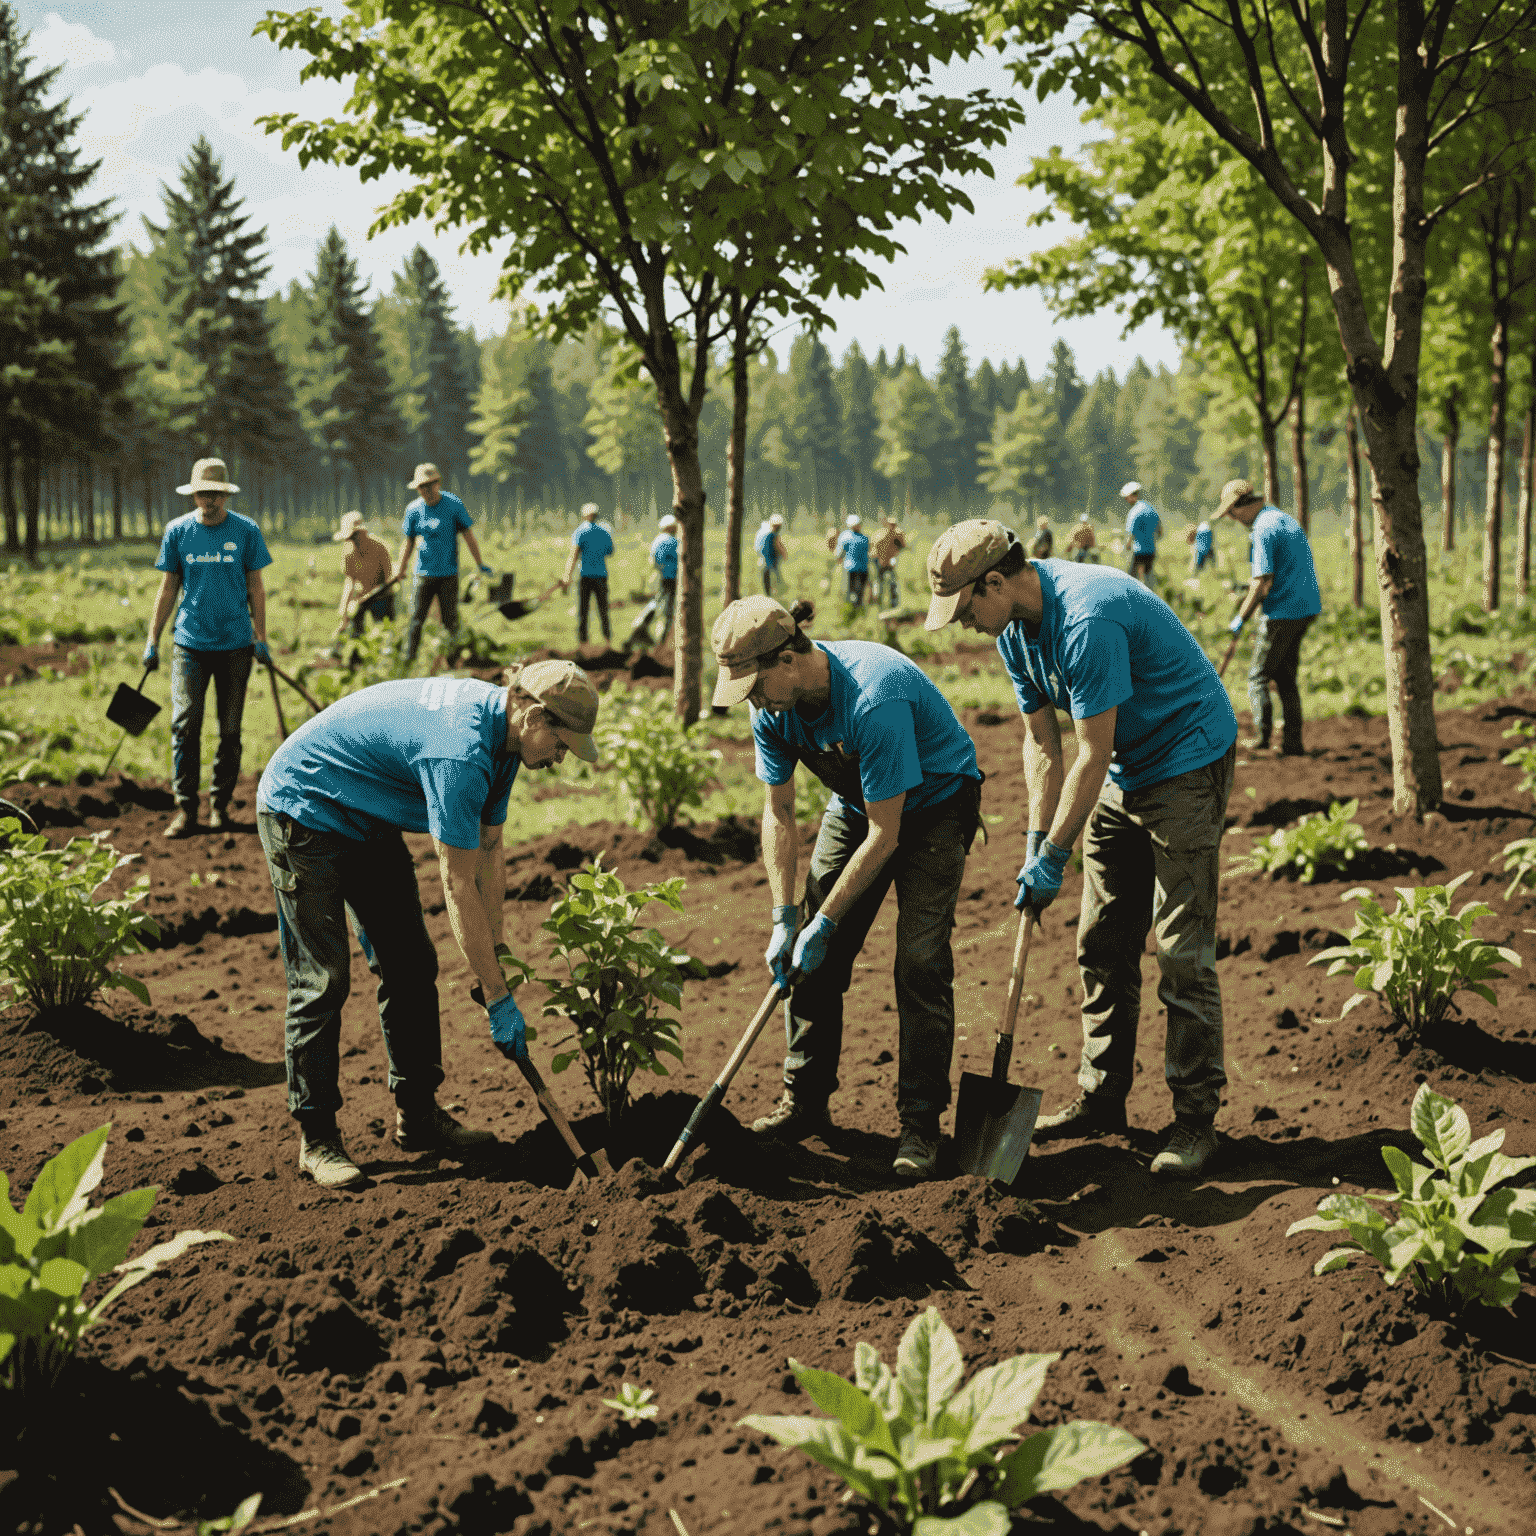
1419	956
1457	1238
933	1457
634	1404
664	764
54	1248
1317	843
58	944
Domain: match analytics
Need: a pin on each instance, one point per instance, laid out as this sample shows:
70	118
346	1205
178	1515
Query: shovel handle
598	1160
1231	652
297	687
277	703
1003	1052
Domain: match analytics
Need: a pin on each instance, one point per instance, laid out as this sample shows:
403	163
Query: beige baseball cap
351	522
1234	494
424	474
961	556
208	475
567	693
748	628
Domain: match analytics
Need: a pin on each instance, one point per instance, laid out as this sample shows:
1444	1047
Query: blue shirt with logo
664	555
596	544
213	563
437	527
853	546
767	546
422	754
1107	642
1280	549
1205	541
1143	525
887	727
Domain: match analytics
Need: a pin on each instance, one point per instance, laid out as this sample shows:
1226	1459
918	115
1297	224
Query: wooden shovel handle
1231	652
1002	1053
599	1159
297	687
277	703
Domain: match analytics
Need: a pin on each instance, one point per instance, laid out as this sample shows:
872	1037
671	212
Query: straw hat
854	520
425	473
1131	488
1235	493
208	475
351	523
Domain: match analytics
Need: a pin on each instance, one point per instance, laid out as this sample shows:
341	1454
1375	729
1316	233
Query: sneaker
325	1160
431	1129
794	1119
1190	1147
918	1156
218	818
1089	1114
183	823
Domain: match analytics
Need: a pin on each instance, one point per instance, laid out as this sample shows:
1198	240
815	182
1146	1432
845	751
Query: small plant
1523	758
1456	1238
245	1512
1419	956
1332	840
664	765
619	979
933	1456
1520	858
57	944
55	1247
633	1403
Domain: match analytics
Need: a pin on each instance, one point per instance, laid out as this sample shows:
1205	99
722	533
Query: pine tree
856	385
955	454
816	427
516	416
1066	386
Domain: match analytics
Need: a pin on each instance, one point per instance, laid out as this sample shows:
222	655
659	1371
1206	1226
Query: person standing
434	520
874	728
591	544
853	546
771	553
1155	757
367	566
1142	528
1284	584
888	543
213	559
436	755
664	558
1082	542
1202	551
1044	542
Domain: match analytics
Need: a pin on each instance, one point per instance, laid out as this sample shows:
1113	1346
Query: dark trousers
191	672
322	880
659	607
446	590
857	582
926	870
1276	656
592	587
381	610
770	579
1141	568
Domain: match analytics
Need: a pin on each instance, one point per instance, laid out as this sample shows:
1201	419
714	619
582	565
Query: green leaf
856	1411
928	1363
63	1189
1441	1125
1060	1457
987	1519
995	1401
1335	1259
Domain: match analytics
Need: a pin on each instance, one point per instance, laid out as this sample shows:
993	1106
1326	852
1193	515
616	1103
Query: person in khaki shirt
367	565
888	543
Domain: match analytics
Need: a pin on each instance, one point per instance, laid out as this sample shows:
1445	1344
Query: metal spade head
131	710
994	1123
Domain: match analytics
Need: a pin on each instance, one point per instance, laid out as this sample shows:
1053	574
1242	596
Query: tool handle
1231	652
144	679
1003	1052
297	687
277	703
556	1114
695	1120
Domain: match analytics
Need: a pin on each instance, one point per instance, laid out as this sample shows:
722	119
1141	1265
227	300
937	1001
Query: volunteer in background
1044	542
591	544
1082	541
888	543
434	520
367	565
1202	551
853	546
771	553
664	558
1142	528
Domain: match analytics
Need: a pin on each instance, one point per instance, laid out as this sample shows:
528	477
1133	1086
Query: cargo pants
1276	657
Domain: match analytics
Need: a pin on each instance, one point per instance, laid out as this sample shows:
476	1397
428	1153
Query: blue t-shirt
422	754
1205	540
1143	524
438	529
887	730
767	546
1280	549
213	563
1108	642
664	555
596	544
853	546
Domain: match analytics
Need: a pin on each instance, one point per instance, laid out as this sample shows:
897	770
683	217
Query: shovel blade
994	1123
131	710
517	609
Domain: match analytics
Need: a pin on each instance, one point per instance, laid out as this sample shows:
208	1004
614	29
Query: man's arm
474	548
406	551
491	879
1095	748
165	601
461	869
570	566
869	858
1258	590
779	832
256	596
1043	773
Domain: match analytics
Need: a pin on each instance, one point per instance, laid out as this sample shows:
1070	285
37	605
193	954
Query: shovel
1221	671
521	609
361	602
131	710
994	1121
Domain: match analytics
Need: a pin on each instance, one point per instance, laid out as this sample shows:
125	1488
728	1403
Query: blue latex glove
811	946
508	1030
263	654
486	570
1040	879
1236	626
786	922
151	656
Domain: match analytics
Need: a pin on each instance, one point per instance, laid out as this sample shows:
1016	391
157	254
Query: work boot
323	1157
794	1119
1089	1114
1191	1145
183	823
218	818
429	1129
918	1156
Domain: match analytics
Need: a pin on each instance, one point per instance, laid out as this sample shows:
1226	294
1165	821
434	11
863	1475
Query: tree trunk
1356	529
88	501
1271	437
1450	441
8	494
1493	505
31	495
117	503
1302	487
1523	517
736	453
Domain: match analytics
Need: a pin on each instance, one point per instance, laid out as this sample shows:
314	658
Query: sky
149	76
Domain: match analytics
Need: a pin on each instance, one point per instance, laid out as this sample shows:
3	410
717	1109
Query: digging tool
1231	652
717	1092
298	688
131	710
994	1121
277	703
520	609
366	598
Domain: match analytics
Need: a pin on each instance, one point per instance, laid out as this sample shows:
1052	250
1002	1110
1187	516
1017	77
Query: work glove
1236	626
786	922
151	656
1040	879
263	654
508	1031
811	946
485	570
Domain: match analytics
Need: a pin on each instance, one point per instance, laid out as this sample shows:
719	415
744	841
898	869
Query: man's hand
263	654
811	946
151	656
1236	626
1040	878
786	921
485	569
508	1031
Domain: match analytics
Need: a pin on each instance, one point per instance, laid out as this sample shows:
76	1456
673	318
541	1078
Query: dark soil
446	1332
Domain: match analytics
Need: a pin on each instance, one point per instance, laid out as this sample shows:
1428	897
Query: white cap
854	519
668	521
589	509
776	521
1131	488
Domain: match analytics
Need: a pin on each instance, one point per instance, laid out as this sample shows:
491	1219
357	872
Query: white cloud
70	43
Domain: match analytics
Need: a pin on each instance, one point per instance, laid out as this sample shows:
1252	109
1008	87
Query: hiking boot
918	1156
218	818
183	823
1089	1114
794	1119
1191	1144
325	1160
430	1129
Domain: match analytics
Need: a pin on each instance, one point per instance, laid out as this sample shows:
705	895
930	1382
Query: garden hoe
994	1121
131	710
521	609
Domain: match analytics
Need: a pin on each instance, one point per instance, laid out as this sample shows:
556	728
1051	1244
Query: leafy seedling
633	1403
664	765
1316	844
245	1512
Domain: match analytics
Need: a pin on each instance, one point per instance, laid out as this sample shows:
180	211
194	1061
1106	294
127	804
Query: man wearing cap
1082	542
1202	546
1284	584
591	544
888	543
366	568
1142	527
664	558
213	558
874	728
1155	756
1045	541
434	520
853	546
435	755
771	553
